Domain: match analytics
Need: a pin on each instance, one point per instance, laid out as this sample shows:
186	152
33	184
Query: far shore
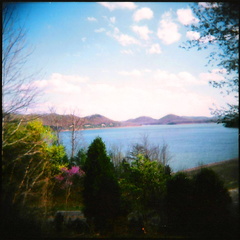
98	128
83	129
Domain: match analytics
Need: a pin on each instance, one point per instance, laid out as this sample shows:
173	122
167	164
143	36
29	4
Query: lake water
189	145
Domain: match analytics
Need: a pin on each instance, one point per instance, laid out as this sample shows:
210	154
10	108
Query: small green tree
101	192
143	186
80	158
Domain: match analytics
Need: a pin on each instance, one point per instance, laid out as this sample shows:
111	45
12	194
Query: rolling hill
168	119
140	121
174	119
64	121
98	121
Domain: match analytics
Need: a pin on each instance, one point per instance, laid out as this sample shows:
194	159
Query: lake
189	145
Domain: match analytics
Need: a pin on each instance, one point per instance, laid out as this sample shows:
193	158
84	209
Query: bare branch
17	91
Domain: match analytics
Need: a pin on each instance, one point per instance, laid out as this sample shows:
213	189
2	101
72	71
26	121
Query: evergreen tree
101	192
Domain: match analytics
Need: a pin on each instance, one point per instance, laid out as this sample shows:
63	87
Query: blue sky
121	60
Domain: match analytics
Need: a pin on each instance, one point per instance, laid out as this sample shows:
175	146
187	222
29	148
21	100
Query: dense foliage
137	196
198	206
29	162
143	188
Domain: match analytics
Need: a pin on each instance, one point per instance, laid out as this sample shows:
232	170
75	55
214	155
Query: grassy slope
228	171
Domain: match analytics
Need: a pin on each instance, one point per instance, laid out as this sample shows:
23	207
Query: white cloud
187	78
166	80
91	19
119	5
142	31
59	83
123	39
133	73
168	30
143	13
101	87
129	52
147	70
116	30
192	35
154	49
185	16
140	92
134	100
100	30
214	75
180	80
126	40
112	19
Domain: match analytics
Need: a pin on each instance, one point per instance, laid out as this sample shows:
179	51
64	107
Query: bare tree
18	93
56	122
154	152
75	126
116	154
165	155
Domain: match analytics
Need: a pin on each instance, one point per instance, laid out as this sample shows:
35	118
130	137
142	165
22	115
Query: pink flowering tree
70	178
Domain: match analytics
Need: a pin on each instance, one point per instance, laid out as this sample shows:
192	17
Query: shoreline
98	128
208	165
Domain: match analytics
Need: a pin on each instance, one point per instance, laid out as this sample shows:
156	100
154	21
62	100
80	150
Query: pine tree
101	190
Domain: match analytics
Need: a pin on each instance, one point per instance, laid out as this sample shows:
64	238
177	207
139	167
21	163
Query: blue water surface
189	145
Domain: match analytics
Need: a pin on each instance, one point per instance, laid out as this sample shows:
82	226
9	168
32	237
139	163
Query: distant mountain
65	121
174	119
168	119
98	121
171	119
140	121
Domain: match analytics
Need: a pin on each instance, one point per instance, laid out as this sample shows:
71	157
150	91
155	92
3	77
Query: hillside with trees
64	122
